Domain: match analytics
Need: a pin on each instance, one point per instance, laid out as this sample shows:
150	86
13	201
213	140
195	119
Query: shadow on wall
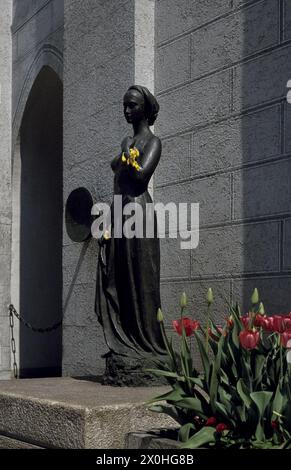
261	189
41	143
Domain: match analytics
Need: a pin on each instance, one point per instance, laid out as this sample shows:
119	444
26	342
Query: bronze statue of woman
128	275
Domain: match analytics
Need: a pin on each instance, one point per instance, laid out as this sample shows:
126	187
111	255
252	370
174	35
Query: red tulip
245	321
274	424
189	326
259	320
285	337
249	339
221	427
211	421
287	322
278	323
268	324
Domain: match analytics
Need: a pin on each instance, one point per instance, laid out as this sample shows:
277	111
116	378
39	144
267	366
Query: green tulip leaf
184	432
165	373
262	400
203	355
206	435
244	393
193	404
173	395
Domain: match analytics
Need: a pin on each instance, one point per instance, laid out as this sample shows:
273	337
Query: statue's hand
125	146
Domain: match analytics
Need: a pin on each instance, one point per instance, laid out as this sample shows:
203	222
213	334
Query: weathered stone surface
262	79
213	195
174	17
5	270
199	102
130	371
5	353
5	332
100	44
40	26
6	374
79	302
173	63
174	164
237	249
83	347
5	238
235	142
235	37
286	245
152	440
5	182
10	443
274	293
23	11
287	20
68	413
252	195
178	264
80	261
287	126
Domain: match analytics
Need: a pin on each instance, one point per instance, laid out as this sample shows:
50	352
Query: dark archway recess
41	218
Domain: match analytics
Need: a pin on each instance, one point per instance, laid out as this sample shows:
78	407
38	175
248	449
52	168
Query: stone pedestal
74	414
131	371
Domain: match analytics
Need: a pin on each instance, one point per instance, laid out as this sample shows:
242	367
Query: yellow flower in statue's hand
131	160
136	166
134	152
106	235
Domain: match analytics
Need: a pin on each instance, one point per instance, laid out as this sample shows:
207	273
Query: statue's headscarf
151	106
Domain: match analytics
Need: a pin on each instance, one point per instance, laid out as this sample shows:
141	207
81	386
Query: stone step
74	414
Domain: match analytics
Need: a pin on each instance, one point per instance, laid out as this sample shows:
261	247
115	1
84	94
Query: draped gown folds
128	276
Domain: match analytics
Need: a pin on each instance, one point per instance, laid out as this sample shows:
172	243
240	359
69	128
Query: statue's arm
114	162
150	159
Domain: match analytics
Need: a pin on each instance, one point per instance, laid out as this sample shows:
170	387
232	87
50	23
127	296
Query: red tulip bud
211	421
221	427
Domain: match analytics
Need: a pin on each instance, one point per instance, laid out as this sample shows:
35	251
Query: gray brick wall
221	74
98	68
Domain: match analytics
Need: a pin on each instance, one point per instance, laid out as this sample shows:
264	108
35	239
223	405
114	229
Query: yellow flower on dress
131	160
106	235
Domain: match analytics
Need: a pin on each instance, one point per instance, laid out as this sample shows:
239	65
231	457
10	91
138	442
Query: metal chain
13	311
13	345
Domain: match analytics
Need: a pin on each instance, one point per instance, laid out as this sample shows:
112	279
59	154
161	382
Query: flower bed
243	397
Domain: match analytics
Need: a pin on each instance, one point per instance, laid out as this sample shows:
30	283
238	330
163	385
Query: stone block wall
221	72
99	65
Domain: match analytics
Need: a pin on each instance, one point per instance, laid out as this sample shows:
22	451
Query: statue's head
140	104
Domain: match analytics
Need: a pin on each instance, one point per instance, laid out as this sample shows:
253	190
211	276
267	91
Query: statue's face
133	106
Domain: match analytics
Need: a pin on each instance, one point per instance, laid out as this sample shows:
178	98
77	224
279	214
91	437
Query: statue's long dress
128	278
